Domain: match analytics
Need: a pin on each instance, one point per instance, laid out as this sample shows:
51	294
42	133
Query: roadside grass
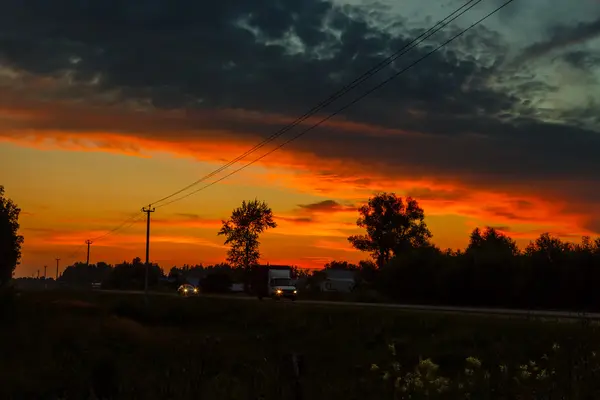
81	345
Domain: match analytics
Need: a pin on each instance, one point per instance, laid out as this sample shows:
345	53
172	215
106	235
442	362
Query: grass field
86	345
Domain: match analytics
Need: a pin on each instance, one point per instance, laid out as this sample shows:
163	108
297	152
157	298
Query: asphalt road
409	307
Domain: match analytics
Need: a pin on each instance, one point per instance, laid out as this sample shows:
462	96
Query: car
187	290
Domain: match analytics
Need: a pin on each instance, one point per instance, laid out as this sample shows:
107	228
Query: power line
80	249
348	87
372	71
437	27
133	218
356	100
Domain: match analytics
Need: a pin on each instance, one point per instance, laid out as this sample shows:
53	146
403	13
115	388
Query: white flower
392	348
475	362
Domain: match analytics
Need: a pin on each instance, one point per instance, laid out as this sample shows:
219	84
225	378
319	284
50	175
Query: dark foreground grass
81	346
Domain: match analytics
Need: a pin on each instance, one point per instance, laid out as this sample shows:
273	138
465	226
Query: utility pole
147	211
45	267
38	274
88	242
57	261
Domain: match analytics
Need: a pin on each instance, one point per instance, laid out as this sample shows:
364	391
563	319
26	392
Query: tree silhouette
392	225
489	262
242	231
10	240
81	273
341	265
131	276
490	242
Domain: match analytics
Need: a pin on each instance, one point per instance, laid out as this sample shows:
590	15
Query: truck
273	281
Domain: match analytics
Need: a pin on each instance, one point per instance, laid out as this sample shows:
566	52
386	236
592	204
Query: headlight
184	290
195	290
279	291
295	291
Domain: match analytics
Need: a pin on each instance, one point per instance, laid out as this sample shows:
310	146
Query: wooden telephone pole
147	211
57	261
88	242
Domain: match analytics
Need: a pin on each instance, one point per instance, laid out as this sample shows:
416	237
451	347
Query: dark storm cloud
562	37
182	53
479	121
584	60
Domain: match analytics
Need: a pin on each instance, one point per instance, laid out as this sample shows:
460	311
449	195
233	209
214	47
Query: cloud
562	37
327	206
581	59
503	229
125	239
296	220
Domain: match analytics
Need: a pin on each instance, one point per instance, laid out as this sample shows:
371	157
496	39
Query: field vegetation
87	345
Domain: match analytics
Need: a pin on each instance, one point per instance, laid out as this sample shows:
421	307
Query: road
408	307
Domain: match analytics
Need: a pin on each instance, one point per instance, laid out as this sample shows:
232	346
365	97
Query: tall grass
100	346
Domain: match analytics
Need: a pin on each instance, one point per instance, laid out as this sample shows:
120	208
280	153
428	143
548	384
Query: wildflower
593	354
398	382
396	366
555	347
523	367
461	386
386	376
502	367
468	371
428	365
374	367
524	374
533	365
486	375
474	361
392	348
542	375
441	383
418	383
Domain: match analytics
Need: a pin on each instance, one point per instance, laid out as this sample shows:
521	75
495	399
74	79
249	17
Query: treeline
493	272
131	276
217	278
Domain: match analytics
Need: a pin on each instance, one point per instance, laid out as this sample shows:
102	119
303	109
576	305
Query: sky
107	106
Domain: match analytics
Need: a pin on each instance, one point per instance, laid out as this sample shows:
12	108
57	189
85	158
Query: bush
217	282
8	297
